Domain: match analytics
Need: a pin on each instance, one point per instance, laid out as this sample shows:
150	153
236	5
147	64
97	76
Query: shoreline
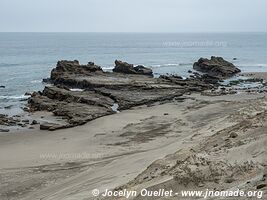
166	126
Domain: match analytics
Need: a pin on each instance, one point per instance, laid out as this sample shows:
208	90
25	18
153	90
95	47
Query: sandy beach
140	148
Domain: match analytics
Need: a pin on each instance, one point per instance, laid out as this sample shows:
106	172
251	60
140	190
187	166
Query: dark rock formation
2	86
67	69
124	67
84	92
216	67
195	83
5	120
76	107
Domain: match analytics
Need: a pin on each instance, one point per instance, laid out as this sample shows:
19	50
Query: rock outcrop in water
216	67
66	71
124	67
81	93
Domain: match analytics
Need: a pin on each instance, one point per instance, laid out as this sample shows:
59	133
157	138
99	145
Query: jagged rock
39	102
209	79
87	97
77	107
84	92
124	67
5	120
216	67
66	69
130	98
78	113
198	83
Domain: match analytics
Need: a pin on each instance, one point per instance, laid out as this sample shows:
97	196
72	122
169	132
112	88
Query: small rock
229	180
201	185
31	127
2	86
25	120
34	122
47	80
8	107
91	63
27	94
146	177
261	186
166	113
233	135
51	126
26	109
4	130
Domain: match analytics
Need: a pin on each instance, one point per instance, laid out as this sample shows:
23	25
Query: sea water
27	58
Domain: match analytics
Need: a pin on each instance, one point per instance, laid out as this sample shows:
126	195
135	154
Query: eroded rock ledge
80	93
216	67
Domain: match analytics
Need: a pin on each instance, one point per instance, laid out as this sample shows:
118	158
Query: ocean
27	58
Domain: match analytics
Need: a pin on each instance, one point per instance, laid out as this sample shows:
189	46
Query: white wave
165	65
253	65
36	81
107	68
185	64
14	97
76	90
171	64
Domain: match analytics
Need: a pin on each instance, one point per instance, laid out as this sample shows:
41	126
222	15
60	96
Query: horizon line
118	32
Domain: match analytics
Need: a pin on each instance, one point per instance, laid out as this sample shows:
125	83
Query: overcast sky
133	15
